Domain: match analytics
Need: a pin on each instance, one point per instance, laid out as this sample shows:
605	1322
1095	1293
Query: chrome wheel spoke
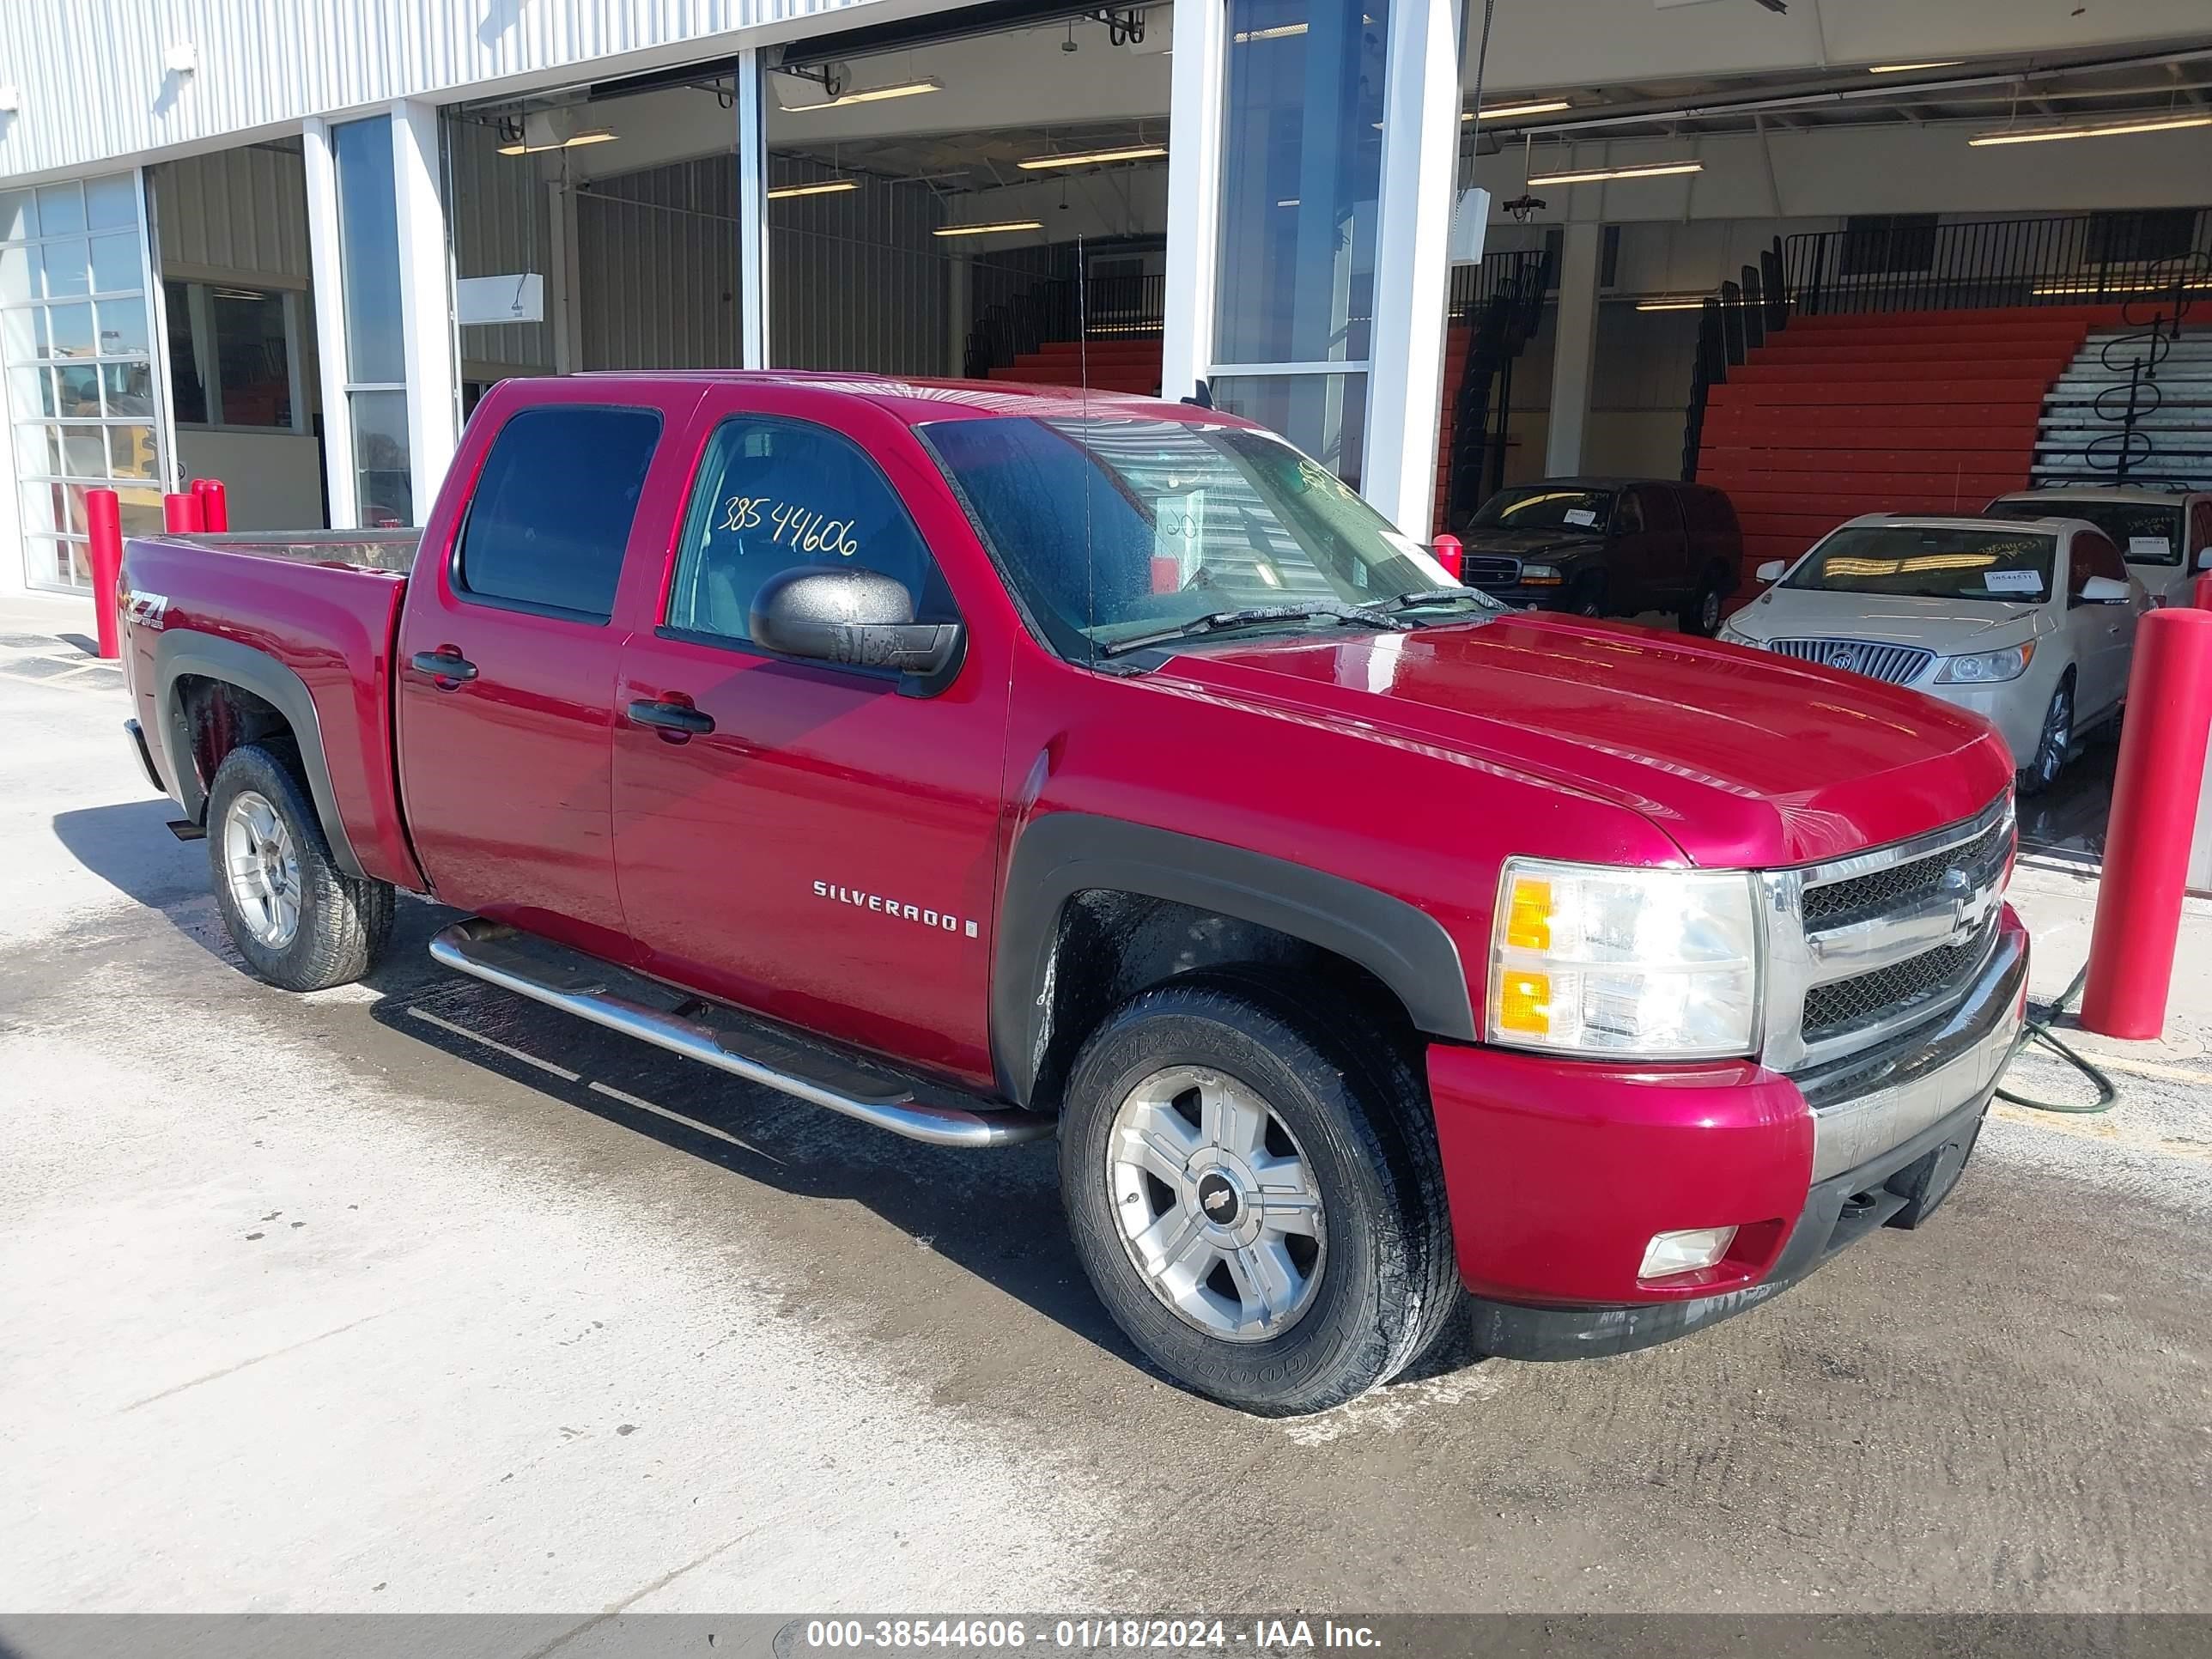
262	868
1268	1283
1230	1119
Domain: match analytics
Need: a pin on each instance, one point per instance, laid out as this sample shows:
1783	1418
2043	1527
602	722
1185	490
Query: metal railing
1729	326
2126	450
2081	259
1502	299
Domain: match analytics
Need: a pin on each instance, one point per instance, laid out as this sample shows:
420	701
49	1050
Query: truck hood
1943	626
1743	758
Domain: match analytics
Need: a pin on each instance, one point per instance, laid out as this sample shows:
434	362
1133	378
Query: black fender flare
1064	853
180	652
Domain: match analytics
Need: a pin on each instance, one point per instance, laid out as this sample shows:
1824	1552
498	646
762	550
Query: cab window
772	494
550	518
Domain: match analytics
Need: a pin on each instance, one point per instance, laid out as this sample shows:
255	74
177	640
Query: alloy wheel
1217	1205
263	868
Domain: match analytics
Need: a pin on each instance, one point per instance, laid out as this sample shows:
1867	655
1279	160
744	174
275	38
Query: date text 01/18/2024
1090	1634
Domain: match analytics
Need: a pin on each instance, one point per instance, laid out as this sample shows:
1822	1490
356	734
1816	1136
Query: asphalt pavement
414	1296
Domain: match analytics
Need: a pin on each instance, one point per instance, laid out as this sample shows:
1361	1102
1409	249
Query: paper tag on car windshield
1581	515
2013	582
2159	548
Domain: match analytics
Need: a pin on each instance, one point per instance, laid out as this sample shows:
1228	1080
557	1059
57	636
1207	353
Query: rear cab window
550	518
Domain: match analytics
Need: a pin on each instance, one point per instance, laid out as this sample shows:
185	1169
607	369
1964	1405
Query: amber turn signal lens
1528	914
1525	1004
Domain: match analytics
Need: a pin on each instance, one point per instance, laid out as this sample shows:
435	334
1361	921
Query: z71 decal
898	909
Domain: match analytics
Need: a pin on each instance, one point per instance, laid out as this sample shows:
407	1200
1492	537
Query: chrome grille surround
1949	905
1893	665
1489	570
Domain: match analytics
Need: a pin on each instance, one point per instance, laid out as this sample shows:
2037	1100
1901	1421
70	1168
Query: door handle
680	718
444	663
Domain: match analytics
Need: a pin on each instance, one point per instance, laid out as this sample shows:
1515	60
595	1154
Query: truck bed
322	607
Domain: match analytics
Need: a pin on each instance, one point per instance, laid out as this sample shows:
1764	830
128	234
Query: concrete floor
414	1296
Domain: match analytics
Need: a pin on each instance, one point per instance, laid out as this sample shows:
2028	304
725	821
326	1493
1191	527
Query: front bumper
1560	1173
1550	596
2015	708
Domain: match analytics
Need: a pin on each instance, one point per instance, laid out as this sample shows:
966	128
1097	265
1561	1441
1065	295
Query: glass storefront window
369	245
383	484
1301	172
77	355
1324	415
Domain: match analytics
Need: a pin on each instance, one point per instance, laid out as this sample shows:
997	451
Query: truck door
1643	552
805	839
506	668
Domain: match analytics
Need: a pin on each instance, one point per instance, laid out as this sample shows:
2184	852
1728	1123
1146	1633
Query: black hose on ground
2038	1031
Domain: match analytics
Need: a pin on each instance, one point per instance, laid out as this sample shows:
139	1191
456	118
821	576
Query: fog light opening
1687	1252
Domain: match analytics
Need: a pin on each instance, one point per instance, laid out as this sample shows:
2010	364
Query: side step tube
473	947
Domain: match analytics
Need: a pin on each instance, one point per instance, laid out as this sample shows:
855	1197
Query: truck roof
918	399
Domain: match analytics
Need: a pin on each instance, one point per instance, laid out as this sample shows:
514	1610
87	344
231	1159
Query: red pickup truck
988	764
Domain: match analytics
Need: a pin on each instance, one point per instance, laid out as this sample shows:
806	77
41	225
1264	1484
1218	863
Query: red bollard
103	521
215	504
2153	818
181	514
1450	555
2202	592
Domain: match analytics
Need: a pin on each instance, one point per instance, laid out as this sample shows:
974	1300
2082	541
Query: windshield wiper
1215	620
1429	595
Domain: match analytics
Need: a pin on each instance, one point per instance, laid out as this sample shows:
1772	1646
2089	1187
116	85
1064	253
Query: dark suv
1605	547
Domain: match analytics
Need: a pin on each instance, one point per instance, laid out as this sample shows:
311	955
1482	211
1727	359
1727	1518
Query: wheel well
1109	945
218	717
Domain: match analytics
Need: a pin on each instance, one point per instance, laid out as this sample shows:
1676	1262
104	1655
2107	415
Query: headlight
1733	635
1987	667
1650	964
1541	575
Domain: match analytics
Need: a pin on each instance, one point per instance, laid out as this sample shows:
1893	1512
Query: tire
299	921
1702	616
1356	1298
1587	599
2056	737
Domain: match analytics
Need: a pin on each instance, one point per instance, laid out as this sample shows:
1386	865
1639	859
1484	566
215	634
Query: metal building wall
242	211
657	267
93	84
496	209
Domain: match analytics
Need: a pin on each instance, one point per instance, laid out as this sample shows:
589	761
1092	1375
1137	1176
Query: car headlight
1648	964
1541	575
1733	635
1986	667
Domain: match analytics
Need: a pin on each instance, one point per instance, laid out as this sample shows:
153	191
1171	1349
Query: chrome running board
579	984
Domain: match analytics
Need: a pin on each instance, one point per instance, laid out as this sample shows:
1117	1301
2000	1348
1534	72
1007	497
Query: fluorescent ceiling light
1133	153
1906	69
2122	288
1503	112
991	229
1280	32
2101	130
1696	304
827	187
589	136
871	95
1640	170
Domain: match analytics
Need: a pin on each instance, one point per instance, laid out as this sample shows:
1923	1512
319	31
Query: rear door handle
445	663
677	717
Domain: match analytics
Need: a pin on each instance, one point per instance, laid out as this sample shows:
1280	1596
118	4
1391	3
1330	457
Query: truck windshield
1546	507
1931	562
1111	528
2146	532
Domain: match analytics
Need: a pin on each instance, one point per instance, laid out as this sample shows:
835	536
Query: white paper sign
2013	582
1581	515
483	299
2156	549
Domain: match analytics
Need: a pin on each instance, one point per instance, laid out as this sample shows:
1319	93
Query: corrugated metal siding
243	210
497	207
93	85
856	280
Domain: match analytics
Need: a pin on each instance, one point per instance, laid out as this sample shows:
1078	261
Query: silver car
2030	624
2165	535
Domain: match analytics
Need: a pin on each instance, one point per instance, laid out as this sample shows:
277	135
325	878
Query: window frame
456	581
664	629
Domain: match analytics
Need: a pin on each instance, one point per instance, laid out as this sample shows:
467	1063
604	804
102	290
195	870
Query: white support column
1412	270
326	265
752	211
426	299
1198	81
1574	348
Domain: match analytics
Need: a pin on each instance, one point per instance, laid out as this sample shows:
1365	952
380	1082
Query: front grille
1488	570
1891	993
1902	886
1895	665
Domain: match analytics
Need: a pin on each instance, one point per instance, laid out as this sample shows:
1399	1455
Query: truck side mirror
861	619
1772	570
